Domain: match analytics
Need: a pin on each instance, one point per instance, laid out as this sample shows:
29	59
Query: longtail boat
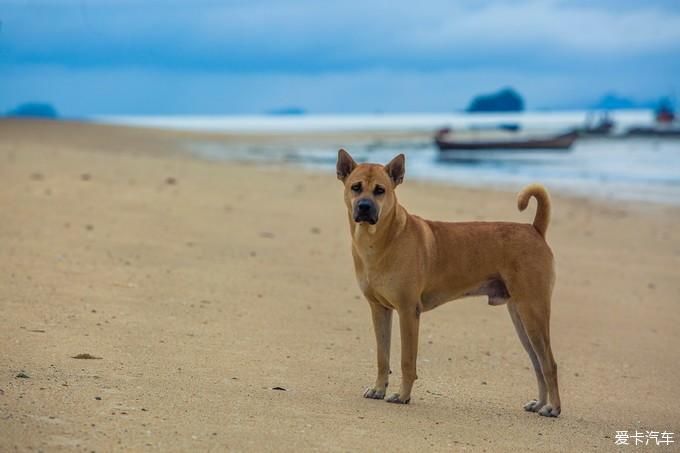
446	141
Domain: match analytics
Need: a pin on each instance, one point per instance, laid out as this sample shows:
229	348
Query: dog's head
369	188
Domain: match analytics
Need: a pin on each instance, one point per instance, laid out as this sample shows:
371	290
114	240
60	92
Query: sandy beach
200	287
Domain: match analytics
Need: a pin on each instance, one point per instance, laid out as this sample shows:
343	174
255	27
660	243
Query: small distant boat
661	132
664	113
604	126
446	141
665	126
509	127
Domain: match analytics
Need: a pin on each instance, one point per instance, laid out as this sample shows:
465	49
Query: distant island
613	101
34	110
505	100
287	111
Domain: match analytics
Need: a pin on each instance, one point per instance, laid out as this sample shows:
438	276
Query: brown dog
411	265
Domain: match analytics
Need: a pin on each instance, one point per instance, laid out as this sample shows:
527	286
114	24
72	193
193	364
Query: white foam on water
407	122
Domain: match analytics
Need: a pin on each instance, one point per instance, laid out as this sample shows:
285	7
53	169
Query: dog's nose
364	205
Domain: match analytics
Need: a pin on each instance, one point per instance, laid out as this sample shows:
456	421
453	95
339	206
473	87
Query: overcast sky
210	57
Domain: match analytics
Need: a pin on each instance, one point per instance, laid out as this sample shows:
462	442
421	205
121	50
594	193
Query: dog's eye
356	187
378	190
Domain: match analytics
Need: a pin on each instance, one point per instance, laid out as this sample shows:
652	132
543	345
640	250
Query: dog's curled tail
542	218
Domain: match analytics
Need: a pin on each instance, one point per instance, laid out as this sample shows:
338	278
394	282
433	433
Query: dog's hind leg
382	324
537	404
535	317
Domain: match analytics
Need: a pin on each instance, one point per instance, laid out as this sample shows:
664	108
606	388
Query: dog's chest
375	280
374	266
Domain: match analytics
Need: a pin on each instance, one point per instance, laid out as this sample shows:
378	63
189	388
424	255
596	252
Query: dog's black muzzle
365	210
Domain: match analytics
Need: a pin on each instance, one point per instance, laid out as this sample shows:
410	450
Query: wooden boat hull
654	132
559	142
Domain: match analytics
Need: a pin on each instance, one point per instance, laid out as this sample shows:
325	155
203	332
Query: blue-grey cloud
305	35
172	56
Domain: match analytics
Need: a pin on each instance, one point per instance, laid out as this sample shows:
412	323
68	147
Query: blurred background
580	95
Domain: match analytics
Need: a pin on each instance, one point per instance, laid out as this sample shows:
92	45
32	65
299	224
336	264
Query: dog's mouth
365	219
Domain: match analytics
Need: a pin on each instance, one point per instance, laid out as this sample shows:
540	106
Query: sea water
642	169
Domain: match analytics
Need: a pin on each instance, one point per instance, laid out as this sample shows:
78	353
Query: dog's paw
549	411
534	406
374	394
395	398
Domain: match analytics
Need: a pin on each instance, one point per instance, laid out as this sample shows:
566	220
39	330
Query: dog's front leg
409	322
382	324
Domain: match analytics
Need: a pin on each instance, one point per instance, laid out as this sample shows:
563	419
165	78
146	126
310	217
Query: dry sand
202	286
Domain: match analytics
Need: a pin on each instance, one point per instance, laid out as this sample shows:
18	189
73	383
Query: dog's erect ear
345	165
396	169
